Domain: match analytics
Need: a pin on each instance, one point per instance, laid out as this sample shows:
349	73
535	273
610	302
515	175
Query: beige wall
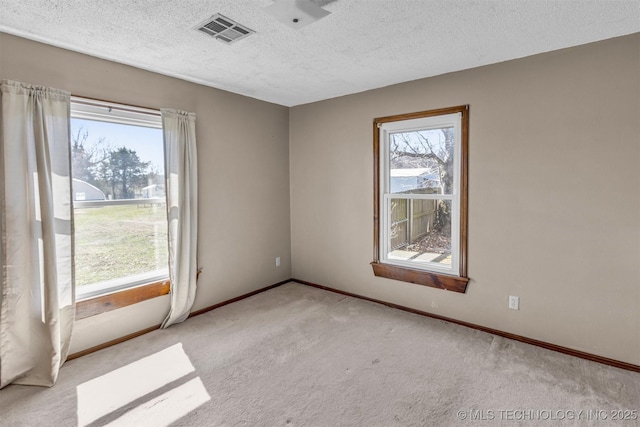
554	202
243	172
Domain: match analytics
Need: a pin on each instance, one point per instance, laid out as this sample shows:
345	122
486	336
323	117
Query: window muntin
118	191
421	184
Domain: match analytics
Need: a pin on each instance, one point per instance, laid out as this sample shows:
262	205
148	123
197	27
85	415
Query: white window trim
102	111
110	286
425	123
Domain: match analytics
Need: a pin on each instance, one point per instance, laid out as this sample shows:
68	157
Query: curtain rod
95	102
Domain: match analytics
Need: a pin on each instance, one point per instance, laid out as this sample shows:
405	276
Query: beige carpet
299	356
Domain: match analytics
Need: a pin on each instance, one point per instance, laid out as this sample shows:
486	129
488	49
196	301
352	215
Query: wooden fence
411	219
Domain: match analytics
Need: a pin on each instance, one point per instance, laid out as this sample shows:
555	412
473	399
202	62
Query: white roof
404	173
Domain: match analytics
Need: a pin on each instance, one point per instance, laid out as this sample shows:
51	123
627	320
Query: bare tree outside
86	157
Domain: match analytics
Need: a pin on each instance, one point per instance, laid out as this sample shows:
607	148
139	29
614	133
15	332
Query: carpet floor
300	356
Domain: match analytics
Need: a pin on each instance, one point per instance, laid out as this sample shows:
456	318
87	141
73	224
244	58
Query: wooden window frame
122	298
456	283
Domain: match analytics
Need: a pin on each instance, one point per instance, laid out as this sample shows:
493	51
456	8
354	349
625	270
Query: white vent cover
224	29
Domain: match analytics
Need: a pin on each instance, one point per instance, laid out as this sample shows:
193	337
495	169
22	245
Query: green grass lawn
118	241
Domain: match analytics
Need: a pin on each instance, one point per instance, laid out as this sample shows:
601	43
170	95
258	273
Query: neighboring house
410	179
82	191
155	188
152	191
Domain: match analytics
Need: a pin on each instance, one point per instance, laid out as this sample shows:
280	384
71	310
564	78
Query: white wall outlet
514	302
277	261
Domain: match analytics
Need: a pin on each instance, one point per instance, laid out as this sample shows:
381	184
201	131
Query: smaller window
421	197
120	217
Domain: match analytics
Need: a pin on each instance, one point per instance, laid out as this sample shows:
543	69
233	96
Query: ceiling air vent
224	29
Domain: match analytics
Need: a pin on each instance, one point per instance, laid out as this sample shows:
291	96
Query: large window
119	197
421	197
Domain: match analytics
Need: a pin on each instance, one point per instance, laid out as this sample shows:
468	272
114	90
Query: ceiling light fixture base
296	13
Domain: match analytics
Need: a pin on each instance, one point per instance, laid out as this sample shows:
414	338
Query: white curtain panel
37	306
181	175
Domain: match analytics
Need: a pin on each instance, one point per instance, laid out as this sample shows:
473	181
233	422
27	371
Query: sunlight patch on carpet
103	395
167	408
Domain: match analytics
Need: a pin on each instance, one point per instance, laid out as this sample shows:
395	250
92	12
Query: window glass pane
399	223
113	242
420	231
119	198
421	162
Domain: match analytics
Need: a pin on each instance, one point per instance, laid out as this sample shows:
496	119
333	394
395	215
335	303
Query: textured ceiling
361	45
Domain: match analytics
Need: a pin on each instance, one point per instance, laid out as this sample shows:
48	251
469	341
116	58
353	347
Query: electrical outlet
514	302
277	261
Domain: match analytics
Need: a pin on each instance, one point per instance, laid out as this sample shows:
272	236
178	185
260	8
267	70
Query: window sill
102	304
421	277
